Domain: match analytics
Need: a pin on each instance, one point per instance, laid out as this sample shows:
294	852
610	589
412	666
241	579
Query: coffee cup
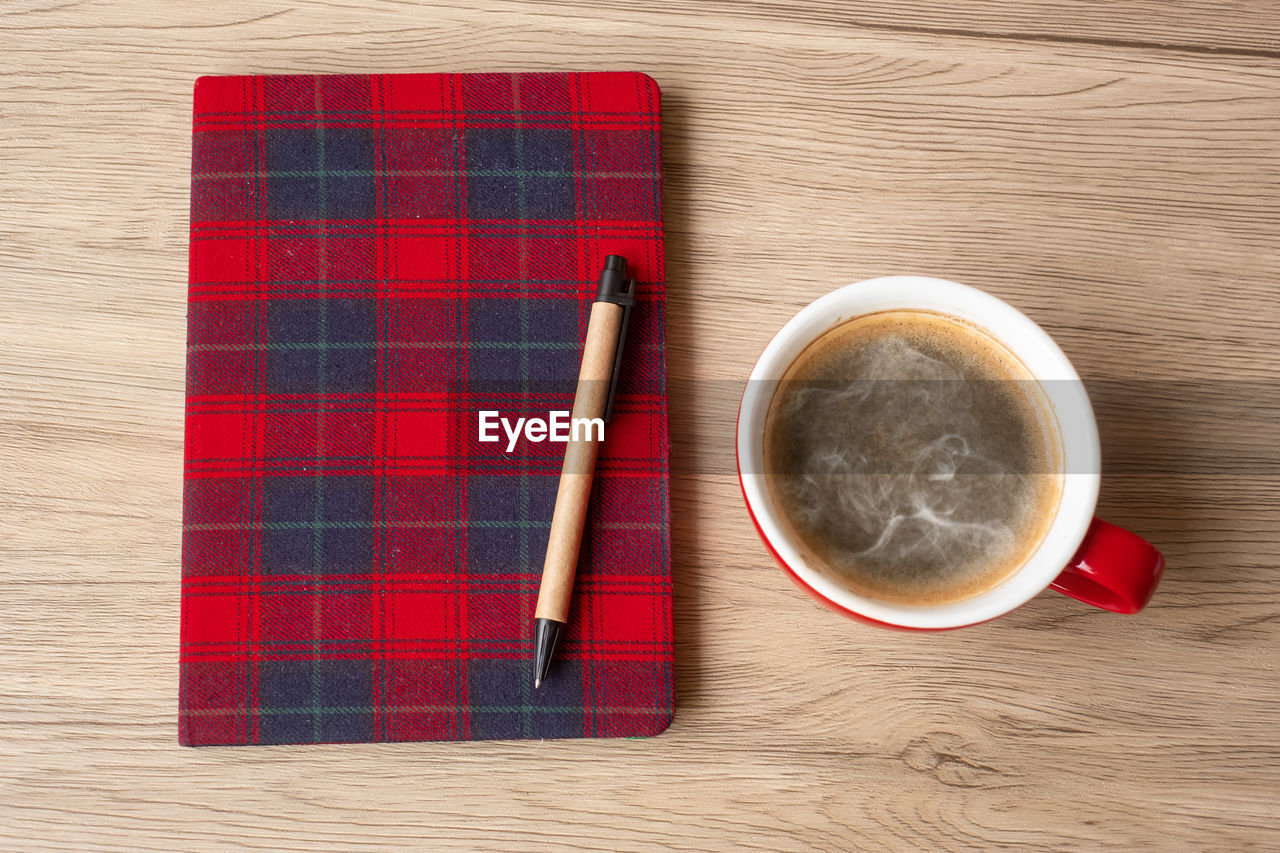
1076	554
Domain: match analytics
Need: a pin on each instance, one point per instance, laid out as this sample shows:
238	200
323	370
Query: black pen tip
545	634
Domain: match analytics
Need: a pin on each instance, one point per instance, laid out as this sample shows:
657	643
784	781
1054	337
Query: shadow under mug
1105	565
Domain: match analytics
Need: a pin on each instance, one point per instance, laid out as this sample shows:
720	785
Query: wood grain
1113	172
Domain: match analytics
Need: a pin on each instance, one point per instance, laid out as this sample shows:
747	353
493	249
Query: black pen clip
612	280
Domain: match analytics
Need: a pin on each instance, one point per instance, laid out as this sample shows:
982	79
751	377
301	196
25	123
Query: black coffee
913	457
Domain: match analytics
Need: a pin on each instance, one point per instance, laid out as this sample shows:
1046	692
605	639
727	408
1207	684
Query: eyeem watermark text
557	426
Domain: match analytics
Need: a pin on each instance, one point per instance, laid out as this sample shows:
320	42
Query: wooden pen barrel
578	470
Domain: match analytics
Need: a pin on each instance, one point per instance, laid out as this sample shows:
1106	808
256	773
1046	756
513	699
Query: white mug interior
1077	433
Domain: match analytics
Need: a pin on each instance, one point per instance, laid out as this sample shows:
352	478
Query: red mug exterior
1114	569
1109	567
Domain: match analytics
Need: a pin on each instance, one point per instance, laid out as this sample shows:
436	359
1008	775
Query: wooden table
1114	171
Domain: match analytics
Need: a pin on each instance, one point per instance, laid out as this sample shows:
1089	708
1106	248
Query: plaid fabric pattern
375	259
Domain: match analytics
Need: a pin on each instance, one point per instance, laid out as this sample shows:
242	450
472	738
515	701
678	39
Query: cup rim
1029	343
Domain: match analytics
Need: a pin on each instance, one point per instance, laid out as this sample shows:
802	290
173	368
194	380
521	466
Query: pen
597	386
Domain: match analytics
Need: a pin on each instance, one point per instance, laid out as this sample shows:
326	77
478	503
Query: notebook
375	260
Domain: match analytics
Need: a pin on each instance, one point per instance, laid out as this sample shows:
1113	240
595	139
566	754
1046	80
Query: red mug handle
1113	569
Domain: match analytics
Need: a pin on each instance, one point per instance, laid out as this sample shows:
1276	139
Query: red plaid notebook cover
374	260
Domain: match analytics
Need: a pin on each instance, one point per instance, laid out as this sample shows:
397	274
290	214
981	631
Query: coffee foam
910	454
